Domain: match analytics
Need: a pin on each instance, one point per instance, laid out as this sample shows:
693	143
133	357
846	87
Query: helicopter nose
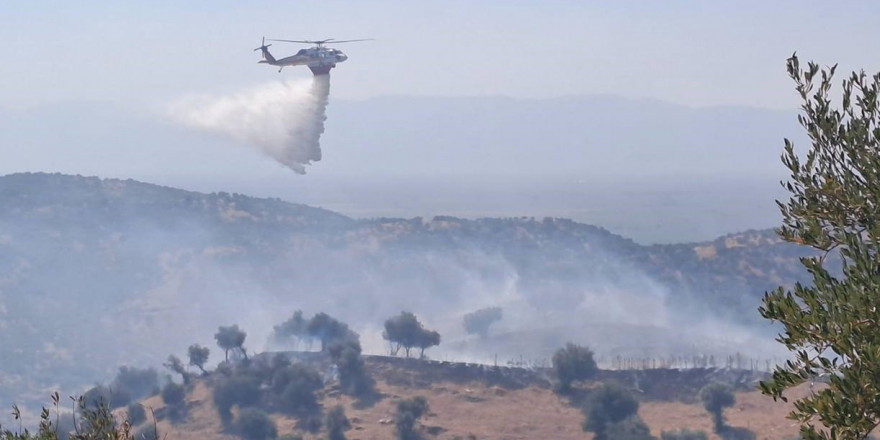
341	57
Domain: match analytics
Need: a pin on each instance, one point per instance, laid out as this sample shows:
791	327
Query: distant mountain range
97	273
577	136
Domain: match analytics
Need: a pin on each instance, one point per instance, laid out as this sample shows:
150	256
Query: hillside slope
471	402
83	258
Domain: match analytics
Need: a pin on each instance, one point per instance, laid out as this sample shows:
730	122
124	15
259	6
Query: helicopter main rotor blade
350	41
302	41
326	41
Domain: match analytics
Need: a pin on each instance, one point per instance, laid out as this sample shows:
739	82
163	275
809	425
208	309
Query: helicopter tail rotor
263	45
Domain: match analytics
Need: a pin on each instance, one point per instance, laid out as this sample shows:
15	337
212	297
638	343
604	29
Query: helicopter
320	59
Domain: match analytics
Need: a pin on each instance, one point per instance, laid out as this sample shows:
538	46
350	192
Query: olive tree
715	397
231	338
198	356
405	330
608	407
832	325
573	362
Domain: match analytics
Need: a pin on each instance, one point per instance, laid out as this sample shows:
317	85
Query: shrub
297	385
571	363
408	412
254	424
608	406
146	432
103	395
136	414
353	376
198	356
137	382
93	423
631	428
715	397
241	390
173	394
336	423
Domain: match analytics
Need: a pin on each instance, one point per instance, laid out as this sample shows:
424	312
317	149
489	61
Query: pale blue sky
691	52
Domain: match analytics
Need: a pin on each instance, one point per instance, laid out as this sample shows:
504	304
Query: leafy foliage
231	338
831	325
147	432
136	413
479	321
405	330
104	395
176	365
631	428
408	412
137	382
329	330
715	397
198	356
255	424
173	394
240	389
608	406
573	362
95	423
296	386
336	423
353	376
340	342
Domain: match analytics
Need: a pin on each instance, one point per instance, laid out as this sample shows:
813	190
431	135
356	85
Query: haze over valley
148	264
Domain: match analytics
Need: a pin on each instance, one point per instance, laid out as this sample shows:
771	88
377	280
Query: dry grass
477	410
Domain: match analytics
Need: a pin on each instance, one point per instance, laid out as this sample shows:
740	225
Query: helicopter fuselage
319	59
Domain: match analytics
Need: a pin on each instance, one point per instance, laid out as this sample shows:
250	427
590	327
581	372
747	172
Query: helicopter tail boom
264	48
267	57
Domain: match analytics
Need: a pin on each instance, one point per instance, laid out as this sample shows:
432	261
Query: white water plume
283	119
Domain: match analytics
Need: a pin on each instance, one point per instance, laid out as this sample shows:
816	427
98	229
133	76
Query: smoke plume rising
283	119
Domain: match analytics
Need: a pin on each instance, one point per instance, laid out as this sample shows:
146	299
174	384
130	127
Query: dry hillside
471	402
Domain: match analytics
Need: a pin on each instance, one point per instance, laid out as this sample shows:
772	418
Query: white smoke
283	119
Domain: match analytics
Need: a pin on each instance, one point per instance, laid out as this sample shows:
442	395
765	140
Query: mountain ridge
160	268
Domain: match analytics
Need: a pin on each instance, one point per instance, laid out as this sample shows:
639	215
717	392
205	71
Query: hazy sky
691	52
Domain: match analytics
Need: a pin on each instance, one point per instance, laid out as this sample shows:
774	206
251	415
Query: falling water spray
283	119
